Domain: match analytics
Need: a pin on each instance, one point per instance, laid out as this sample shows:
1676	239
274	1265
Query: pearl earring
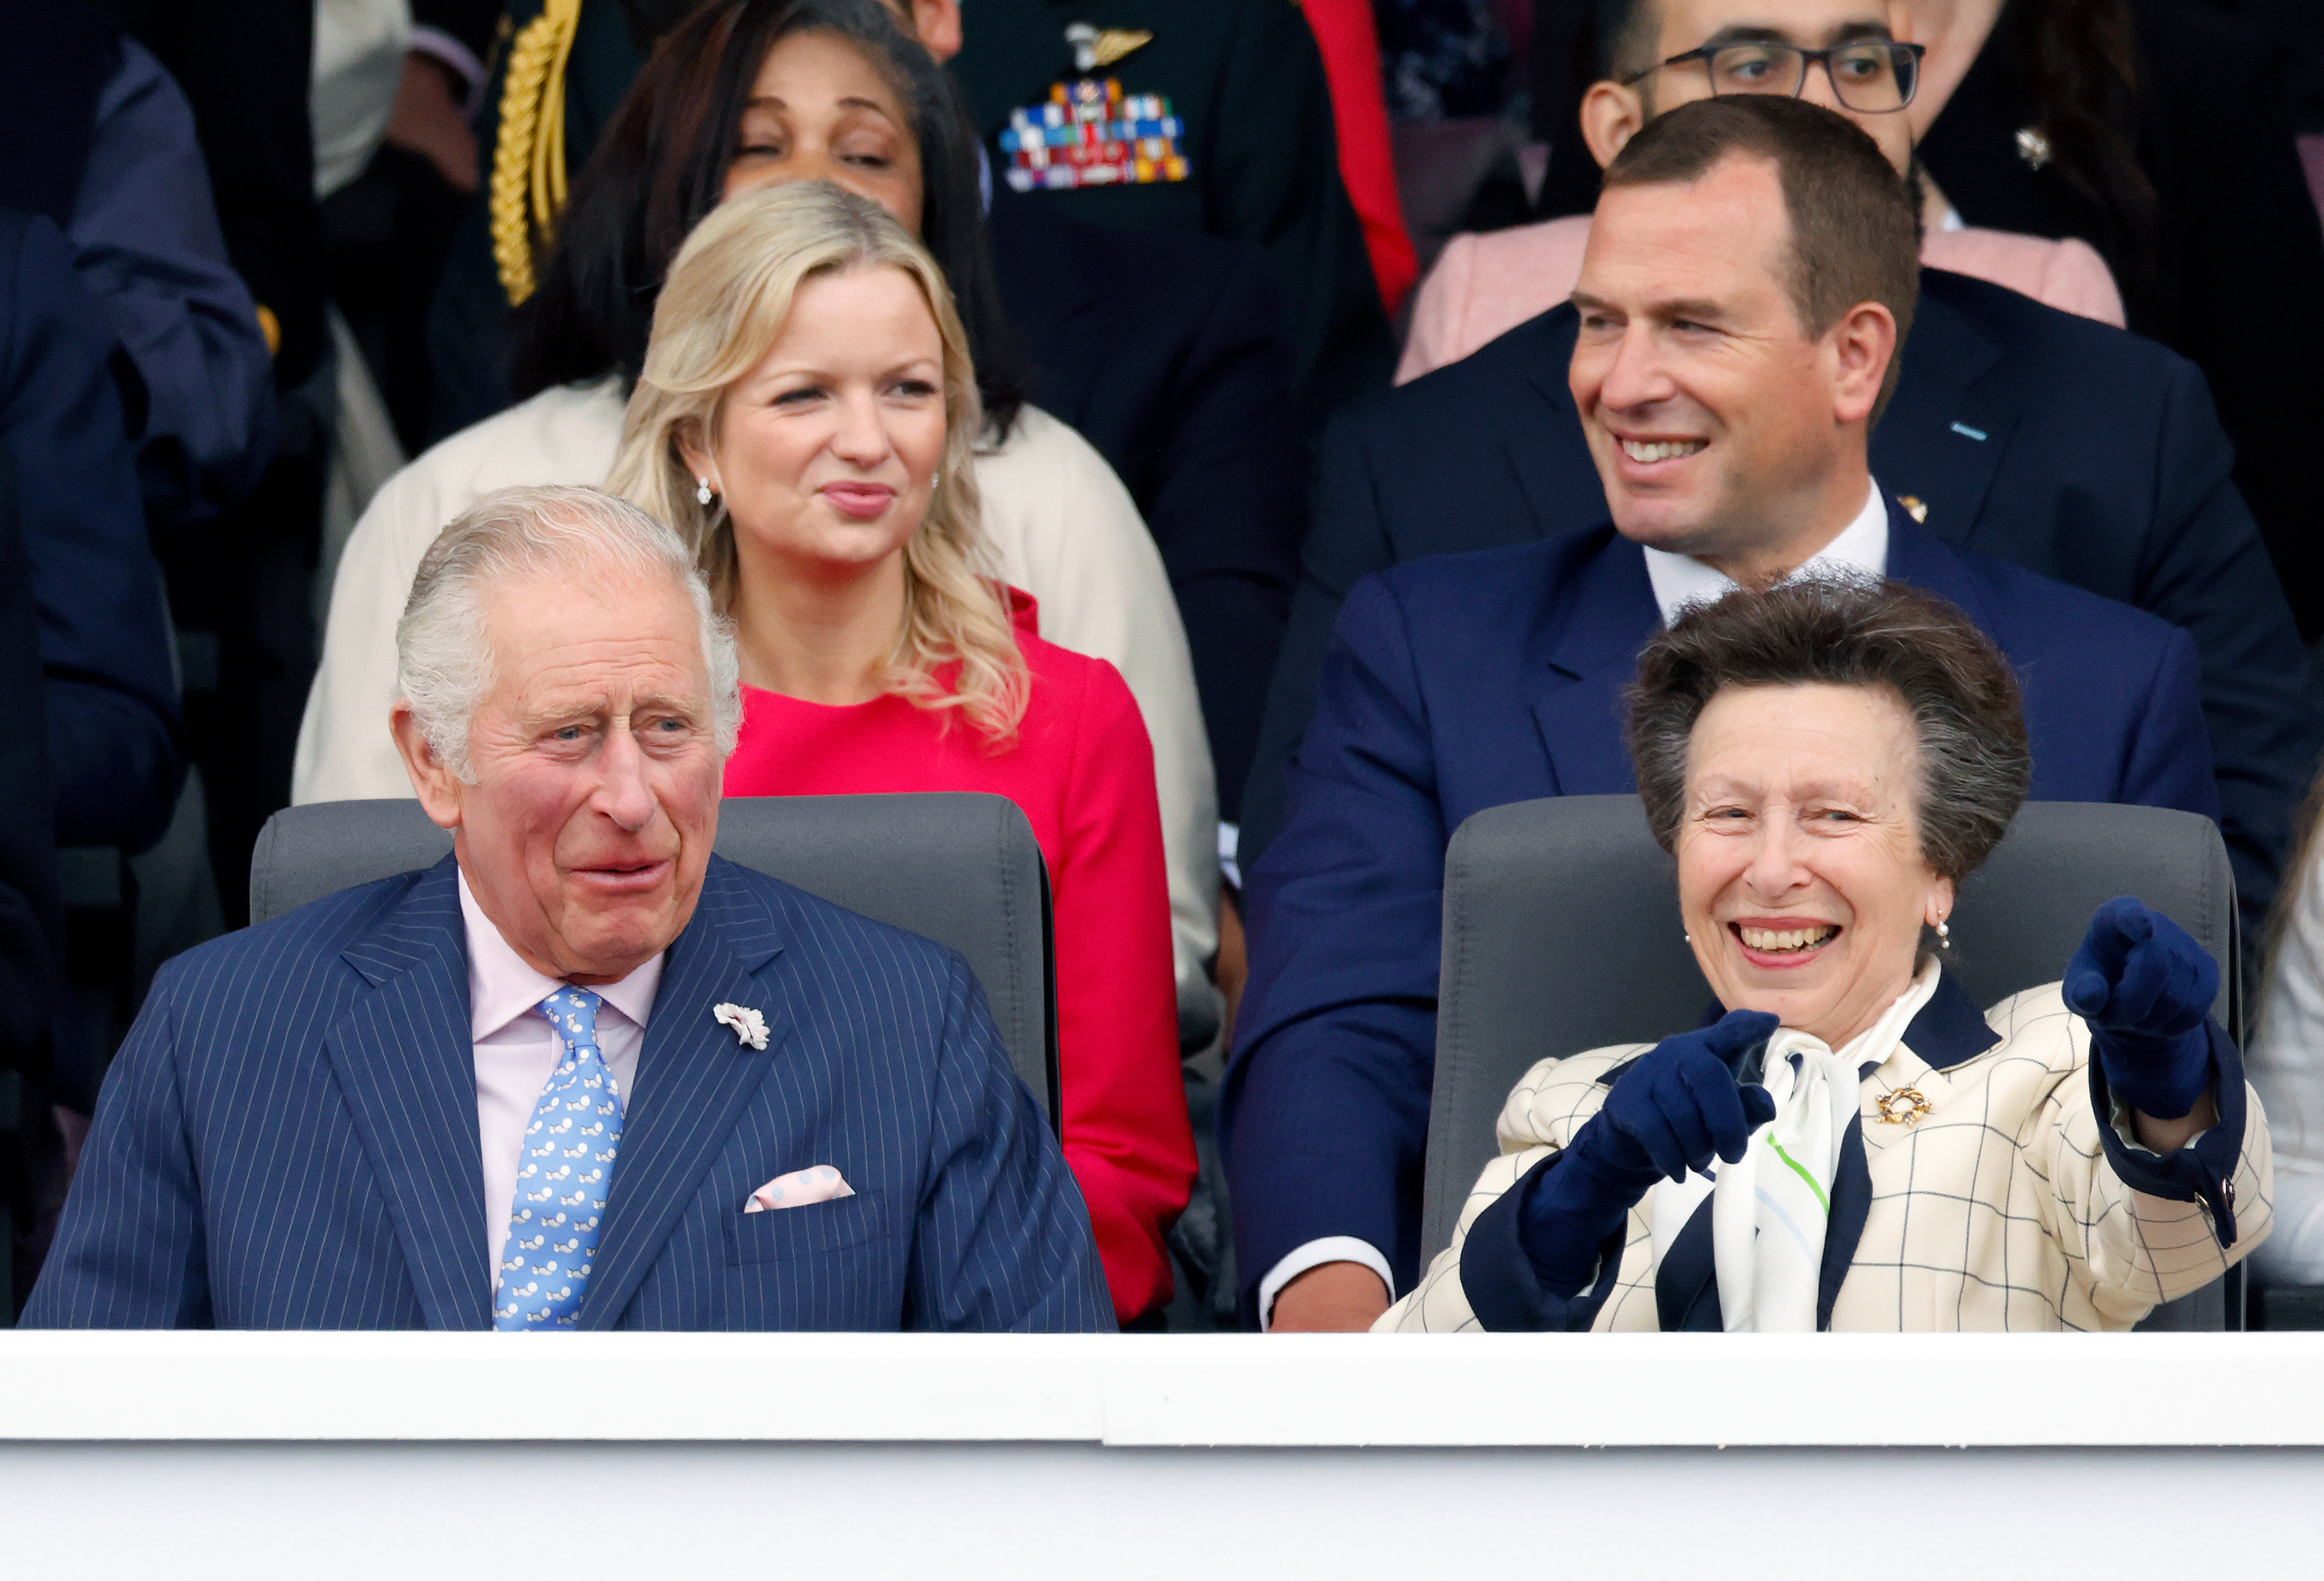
702	491
1944	935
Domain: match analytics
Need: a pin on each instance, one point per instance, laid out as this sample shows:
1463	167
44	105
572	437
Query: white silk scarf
1769	1210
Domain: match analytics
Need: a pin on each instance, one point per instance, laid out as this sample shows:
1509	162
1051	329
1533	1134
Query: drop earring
702	495
1944	935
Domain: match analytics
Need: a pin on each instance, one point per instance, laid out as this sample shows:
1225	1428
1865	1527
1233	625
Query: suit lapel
1607	614
406	1062
1941	437
1917	558
694	1079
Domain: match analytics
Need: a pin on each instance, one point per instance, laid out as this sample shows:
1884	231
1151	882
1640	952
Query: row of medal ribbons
1089	134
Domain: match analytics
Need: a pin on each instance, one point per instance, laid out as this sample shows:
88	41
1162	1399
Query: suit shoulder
310	937
2059	612
2038	336
1485	582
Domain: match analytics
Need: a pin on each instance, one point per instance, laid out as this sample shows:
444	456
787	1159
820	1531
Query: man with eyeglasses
1831	52
2018	431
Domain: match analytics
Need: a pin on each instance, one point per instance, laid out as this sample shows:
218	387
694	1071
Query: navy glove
2144	987
1677	1109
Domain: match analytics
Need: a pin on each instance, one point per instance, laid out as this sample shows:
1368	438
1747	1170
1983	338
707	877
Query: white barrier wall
837	1457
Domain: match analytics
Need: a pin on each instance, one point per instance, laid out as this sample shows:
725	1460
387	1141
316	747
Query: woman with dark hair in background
741	95
2160	133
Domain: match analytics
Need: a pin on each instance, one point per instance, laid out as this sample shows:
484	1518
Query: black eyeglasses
1871	76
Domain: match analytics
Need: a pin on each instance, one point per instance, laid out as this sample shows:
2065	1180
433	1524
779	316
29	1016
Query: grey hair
1846	631
444	666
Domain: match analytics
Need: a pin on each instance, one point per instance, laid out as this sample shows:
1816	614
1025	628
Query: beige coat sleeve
1549	1104
2132	1252
1070	534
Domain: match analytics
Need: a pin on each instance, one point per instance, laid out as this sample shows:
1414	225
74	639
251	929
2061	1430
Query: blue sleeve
148	245
2169	763
1325	1109
130	1251
107	674
1503	1289
1001	1241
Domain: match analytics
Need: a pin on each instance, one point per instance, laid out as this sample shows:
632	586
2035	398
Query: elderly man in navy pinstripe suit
583	1073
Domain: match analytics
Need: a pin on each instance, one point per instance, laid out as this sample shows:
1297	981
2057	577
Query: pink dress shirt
516	1049
1483	286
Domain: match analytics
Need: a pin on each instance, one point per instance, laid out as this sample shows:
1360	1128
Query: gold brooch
1904	1107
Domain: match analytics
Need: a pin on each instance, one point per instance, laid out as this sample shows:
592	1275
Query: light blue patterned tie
564	1174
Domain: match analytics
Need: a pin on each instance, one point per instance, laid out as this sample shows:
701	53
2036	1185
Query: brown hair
1855	238
1846	631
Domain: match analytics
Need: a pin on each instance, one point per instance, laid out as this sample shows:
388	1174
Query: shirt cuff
1230	837
457	58
1314	1255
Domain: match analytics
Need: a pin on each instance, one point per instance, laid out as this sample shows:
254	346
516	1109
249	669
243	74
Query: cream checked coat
2007	1206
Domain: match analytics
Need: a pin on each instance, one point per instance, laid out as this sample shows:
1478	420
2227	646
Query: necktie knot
574	1013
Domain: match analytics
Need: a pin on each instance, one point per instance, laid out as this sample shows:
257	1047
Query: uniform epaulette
528	185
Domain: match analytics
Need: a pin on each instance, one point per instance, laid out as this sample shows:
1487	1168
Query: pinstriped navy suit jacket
288	1139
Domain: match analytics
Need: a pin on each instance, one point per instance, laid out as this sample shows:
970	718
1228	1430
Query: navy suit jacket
1470	681
2031	436
288	1139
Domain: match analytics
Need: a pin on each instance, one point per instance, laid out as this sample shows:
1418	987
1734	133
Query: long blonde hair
726	300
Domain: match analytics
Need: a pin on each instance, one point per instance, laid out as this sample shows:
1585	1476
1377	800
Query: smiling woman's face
821	111
828	450
1800	870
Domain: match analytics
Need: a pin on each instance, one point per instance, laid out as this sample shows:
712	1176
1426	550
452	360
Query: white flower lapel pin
750	1026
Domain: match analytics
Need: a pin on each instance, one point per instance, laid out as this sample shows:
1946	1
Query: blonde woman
838	94
805	419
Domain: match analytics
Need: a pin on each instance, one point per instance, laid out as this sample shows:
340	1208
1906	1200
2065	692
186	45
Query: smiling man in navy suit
1751	274
582	1073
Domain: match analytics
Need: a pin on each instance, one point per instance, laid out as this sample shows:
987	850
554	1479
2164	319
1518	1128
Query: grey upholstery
959	868
1561	933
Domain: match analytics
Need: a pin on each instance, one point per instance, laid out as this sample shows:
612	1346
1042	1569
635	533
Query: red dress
1082	771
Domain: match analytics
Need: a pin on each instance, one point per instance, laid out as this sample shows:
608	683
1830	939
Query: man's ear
937	23
437	786
1611	115
1861	345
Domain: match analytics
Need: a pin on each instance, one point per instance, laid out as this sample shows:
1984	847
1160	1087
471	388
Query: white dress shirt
1678	581
518	1050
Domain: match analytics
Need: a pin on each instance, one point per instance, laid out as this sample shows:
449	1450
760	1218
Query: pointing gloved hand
1681	1105
2144	986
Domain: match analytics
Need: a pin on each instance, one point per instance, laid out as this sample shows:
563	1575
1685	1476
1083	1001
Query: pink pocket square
816	1183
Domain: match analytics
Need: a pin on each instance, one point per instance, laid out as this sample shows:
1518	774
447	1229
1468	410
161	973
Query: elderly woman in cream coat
1852	1146
843	96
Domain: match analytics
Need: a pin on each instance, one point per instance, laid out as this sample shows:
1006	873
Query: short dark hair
661	165
1621	36
1843	631
1853	234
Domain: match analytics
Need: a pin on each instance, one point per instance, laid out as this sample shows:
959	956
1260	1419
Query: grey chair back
1561	933
959	868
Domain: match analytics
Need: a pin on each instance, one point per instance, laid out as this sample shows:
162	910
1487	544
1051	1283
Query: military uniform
1245	84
